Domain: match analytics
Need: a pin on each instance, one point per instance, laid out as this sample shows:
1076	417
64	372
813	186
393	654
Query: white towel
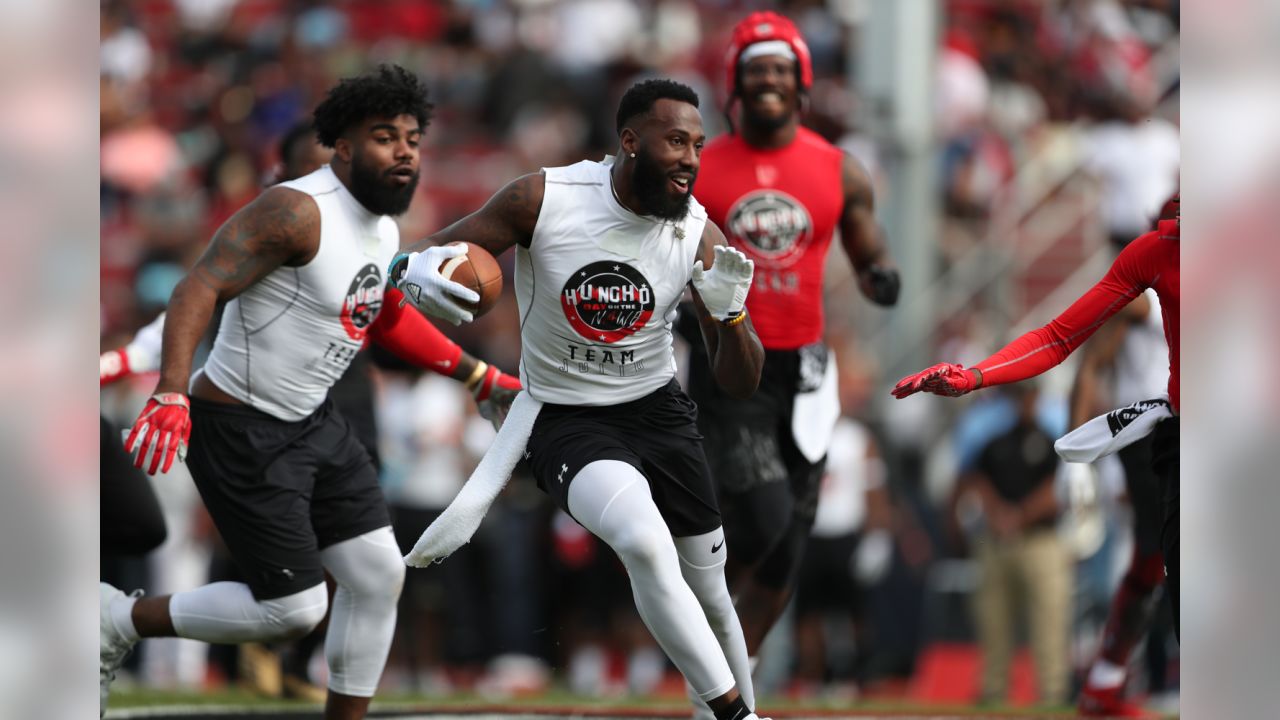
459	521
1108	433
814	414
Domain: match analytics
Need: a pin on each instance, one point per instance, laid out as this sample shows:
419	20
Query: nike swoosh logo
716	548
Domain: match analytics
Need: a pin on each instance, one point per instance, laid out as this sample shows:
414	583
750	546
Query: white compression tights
369	573
612	500
702	559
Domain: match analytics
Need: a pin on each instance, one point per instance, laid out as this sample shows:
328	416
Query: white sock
122	617
612	500
1106	674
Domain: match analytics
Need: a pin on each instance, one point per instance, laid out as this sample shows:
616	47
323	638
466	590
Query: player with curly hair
288	484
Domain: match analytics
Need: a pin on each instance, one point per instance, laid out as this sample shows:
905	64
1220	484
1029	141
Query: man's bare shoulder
284	220
279	227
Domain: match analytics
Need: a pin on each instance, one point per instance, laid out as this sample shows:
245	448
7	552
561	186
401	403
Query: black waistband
637	406
245	412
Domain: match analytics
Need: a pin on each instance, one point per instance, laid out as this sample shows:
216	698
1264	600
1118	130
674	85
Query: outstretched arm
721	280
1099	354
508	218
862	238
1133	271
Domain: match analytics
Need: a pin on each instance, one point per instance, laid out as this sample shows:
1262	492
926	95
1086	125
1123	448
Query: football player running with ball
604	251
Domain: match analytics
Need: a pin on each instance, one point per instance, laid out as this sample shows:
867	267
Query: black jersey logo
607	301
1119	419
771	225
362	303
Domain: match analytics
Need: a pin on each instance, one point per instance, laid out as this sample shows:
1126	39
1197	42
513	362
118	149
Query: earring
633	154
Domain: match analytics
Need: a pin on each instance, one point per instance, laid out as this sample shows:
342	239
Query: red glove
491	379
163	428
947	379
493	390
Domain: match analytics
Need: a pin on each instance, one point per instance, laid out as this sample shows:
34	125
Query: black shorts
132	522
749	442
1165	462
1143	488
656	434
765	484
279	491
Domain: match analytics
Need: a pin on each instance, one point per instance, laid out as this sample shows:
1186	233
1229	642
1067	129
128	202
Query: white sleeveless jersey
1142	362
597	289
287	339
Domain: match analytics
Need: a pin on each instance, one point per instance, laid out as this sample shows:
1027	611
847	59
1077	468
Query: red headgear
761	26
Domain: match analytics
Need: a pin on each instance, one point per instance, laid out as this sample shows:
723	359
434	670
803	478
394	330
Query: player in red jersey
1127	348
779	191
1150	261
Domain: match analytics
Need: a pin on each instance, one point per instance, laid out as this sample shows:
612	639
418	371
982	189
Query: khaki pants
1031	574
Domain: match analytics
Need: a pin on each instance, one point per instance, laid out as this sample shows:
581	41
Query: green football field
160	705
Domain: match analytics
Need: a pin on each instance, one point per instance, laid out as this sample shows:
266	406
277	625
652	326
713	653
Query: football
479	271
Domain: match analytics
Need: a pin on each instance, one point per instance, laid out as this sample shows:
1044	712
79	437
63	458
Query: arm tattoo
271	231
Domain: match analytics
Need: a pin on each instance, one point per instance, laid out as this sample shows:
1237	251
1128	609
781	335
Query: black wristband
885	285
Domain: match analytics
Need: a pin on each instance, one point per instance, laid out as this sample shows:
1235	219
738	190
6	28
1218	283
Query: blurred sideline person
1122	364
779	191
1026	569
604	253
849	551
291	490
1150	261
443	618
131	521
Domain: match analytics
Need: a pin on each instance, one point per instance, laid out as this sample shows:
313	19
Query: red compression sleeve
1045	347
407	333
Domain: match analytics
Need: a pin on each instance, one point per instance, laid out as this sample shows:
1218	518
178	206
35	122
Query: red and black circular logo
773	226
607	301
362	303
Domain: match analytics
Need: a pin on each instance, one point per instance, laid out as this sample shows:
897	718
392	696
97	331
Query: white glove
724	287
429	292
144	349
873	557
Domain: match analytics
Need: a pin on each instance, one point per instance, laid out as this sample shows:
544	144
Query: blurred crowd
196	94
